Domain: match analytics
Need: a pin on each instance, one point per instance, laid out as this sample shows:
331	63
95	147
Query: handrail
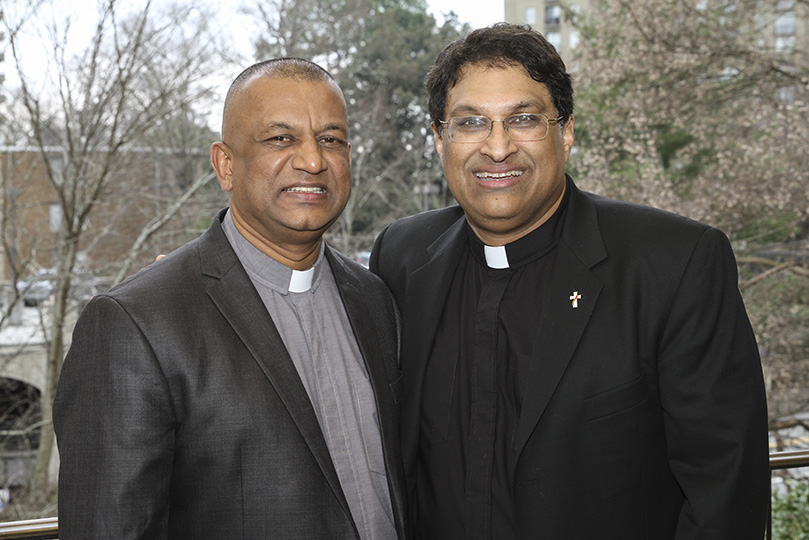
48	528
791	459
31	529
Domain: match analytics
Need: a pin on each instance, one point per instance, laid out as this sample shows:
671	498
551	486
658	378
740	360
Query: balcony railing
48	528
792	459
32	529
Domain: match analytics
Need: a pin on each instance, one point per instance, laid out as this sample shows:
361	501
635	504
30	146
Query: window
785	24
56	217
57	164
761	22
553	15
531	15
555	39
573	39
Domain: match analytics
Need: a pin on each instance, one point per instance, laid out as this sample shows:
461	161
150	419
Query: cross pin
575	298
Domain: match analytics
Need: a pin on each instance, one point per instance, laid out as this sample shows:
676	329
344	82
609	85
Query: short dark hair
283	68
500	45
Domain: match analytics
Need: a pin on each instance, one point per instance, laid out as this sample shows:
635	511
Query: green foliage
790	512
669	142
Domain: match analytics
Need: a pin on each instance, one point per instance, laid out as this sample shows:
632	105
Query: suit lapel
426	294
381	368
236	298
360	316
560	329
562	323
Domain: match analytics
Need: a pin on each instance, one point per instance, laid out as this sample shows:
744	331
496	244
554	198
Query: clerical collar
525	249
301	280
267	270
496	256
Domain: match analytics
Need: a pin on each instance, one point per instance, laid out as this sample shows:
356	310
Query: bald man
243	387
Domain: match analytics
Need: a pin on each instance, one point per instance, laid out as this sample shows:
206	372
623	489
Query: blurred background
108	110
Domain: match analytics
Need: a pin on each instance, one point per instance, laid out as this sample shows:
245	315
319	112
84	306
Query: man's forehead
472	106
491	65
288	87
463	96
495	70
272	101
294	123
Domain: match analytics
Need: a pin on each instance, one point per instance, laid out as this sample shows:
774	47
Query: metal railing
791	459
32	529
48	528
788	460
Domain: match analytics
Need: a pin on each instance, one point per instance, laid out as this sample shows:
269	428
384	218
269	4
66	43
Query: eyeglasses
519	127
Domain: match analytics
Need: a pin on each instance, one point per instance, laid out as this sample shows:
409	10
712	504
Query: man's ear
222	164
568	137
439	142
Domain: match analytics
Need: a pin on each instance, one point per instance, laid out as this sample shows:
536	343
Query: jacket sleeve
714	404
115	431
373	261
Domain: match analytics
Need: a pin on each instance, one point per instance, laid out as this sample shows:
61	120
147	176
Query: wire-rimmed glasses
520	127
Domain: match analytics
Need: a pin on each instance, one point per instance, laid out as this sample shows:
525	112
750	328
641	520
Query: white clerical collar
301	280
496	256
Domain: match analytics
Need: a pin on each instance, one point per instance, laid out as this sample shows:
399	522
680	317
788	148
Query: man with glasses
574	368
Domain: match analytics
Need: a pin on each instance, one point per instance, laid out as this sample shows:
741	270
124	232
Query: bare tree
90	122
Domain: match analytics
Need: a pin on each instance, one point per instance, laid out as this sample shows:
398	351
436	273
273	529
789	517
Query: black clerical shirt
472	388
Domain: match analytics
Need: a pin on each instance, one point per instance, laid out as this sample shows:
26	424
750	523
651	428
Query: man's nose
498	145
309	157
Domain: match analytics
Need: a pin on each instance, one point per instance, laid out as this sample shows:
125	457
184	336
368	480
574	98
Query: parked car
42	285
362	257
38	287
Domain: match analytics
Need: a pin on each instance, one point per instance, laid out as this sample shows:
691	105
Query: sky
477	13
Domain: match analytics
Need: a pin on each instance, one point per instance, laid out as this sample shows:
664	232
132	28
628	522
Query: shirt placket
483	413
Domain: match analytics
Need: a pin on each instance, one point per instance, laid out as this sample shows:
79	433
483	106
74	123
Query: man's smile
304	190
498	176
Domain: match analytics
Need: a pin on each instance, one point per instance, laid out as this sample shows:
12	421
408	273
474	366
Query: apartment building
781	25
145	181
548	17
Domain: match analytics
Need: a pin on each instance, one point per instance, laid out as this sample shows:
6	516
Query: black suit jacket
645	414
179	413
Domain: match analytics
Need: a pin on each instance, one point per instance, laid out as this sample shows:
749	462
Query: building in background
145	181
548	17
782	26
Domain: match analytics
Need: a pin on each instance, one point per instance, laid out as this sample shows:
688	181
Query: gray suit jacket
179	413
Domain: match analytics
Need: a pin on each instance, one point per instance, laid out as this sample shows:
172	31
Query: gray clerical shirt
318	337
